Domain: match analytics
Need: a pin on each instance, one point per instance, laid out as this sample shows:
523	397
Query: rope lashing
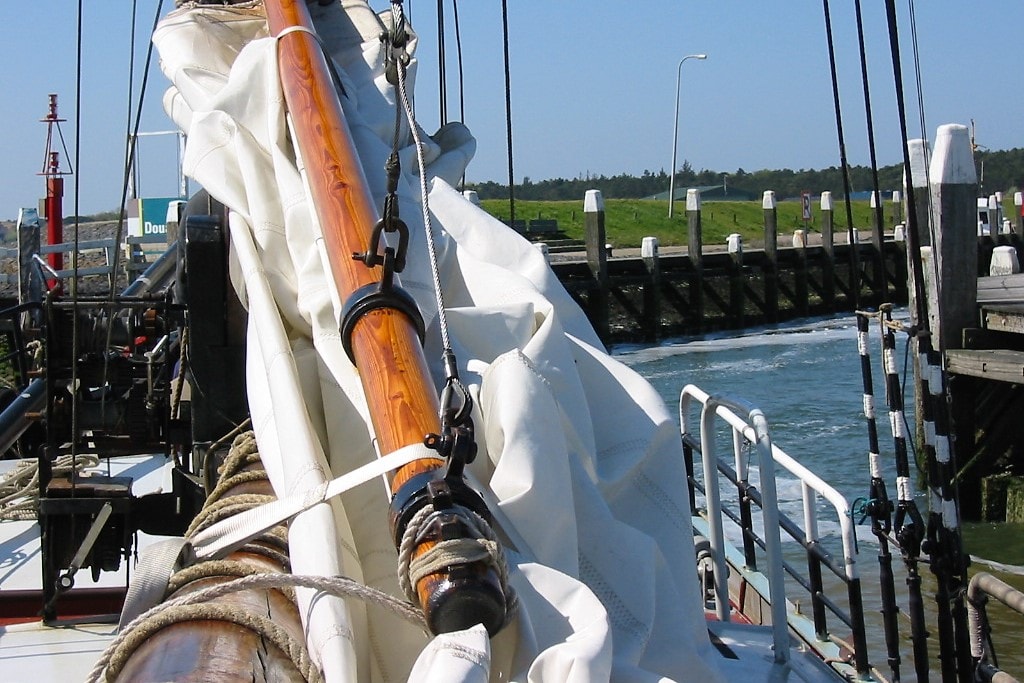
482	546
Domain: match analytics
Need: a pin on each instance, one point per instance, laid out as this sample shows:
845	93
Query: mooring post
897	207
877	239
828	263
695	250
737	279
917	189
1018	204
651	323
917	192
800	277
954	205
771	254
597	259
900	275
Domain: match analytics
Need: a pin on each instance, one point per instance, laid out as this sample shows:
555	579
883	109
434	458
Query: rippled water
807	380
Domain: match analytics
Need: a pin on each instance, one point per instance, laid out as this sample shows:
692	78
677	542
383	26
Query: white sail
579	452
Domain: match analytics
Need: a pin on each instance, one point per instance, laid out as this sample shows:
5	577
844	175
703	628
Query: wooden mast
384	341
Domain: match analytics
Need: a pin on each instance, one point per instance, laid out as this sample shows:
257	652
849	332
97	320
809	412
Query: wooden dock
975	297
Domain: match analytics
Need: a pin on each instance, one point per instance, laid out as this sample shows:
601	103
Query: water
806	378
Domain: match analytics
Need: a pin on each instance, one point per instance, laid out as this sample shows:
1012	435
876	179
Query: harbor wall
645	295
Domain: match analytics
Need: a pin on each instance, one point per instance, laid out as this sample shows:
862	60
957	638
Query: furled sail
579	457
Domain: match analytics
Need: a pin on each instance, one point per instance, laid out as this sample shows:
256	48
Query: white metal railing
752	430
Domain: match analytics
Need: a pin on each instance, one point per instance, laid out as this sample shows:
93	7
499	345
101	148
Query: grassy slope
628	221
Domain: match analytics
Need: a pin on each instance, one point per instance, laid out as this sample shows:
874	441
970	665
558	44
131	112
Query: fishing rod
880	508
909	524
944	545
382	333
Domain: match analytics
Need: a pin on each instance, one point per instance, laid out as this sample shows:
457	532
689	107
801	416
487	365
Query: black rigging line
462	77
458	50
442	76
879	283
851	230
920	88
508	115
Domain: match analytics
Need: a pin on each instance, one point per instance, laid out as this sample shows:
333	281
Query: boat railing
749	429
982	587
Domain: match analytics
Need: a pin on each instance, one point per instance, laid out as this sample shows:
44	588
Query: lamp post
675	135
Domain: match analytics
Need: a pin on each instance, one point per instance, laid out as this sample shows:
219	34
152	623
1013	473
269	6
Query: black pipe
14	420
817	589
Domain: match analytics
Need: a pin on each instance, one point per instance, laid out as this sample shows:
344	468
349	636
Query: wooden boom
384	342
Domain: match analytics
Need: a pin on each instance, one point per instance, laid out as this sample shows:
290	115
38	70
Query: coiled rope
19	488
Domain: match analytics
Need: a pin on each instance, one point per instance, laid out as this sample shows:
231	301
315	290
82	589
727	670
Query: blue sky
593	85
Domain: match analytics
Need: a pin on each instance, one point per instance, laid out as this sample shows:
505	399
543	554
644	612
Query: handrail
713	407
754	430
981	587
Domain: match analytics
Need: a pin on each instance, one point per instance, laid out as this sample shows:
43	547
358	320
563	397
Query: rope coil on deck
19	489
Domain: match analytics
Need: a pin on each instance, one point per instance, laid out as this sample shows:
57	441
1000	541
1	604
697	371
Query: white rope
19	488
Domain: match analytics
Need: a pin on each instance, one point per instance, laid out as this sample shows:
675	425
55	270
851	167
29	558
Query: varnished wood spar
401	397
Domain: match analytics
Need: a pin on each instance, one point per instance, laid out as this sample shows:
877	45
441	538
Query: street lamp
675	135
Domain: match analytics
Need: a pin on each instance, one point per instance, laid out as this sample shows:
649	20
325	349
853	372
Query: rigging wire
851	230
406	105
442	76
458	51
508	115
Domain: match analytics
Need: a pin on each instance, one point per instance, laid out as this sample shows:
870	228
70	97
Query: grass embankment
628	221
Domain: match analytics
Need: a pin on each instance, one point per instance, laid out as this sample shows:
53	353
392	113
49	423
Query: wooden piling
801	274
737	280
597	258
1018	203
879	284
651	324
917	189
897	207
771	256
696	252
828	263
918	192
954	191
